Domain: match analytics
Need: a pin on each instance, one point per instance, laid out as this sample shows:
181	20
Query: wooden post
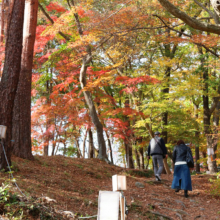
122	206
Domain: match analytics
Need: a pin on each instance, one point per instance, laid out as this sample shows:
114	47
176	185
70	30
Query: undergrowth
140	173
215	188
14	206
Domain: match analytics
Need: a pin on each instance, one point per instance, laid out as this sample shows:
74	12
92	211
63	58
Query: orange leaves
208	40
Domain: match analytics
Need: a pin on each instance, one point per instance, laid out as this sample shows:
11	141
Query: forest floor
74	184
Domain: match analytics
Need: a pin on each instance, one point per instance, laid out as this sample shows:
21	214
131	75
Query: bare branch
52	22
192	22
181	33
213	15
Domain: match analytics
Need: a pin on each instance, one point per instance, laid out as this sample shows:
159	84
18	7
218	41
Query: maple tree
121	71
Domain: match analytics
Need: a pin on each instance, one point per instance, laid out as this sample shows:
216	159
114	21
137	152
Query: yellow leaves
61	24
107	78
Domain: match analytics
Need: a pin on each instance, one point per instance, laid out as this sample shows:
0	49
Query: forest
92	80
96	78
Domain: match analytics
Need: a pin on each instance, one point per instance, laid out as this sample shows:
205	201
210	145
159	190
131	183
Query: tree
21	132
191	21
10	76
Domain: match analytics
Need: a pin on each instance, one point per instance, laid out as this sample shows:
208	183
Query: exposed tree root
179	216
159	214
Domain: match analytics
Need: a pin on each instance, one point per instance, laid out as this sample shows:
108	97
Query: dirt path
75	185
158	197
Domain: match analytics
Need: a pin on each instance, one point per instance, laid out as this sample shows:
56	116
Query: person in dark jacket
182	177
158	151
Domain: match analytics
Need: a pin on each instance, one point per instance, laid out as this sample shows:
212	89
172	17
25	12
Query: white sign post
108	205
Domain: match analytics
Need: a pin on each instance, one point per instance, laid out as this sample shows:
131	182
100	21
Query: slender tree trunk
216	133
64	149
128	140
88	96
207	111
169	53
53	148
94	116
110	146
129	155
91	145
10	76
137	159
46	144
206	121
2	21
21	131
79	155
141	155
84	143
196	106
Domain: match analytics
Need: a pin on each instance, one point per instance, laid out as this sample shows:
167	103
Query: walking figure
182	177
158	151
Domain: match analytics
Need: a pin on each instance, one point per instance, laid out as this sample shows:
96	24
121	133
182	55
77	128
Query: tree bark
84	143
137	159
216	133
207	112
192	22
91	145
129	155
2	21
79	155
169	53
141	155
92	111
110	147
21	131
10	76
196	106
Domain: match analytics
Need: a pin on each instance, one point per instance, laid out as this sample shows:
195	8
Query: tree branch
181	33
52	22
213	15
192	22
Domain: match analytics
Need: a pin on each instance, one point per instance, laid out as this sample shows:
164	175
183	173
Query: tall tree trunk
46	143
196	107
10	76
53	148
92	111
21	131
7	7
84	143
88	96
2	21
129	155
216	133
141	155
137	159
169	53
91	145
128	140
79	155
110	146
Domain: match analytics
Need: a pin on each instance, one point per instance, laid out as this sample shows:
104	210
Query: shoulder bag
189	159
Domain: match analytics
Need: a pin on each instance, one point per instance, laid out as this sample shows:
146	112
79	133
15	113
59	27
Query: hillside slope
75	184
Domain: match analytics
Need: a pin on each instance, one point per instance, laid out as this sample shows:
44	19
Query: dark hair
180	142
